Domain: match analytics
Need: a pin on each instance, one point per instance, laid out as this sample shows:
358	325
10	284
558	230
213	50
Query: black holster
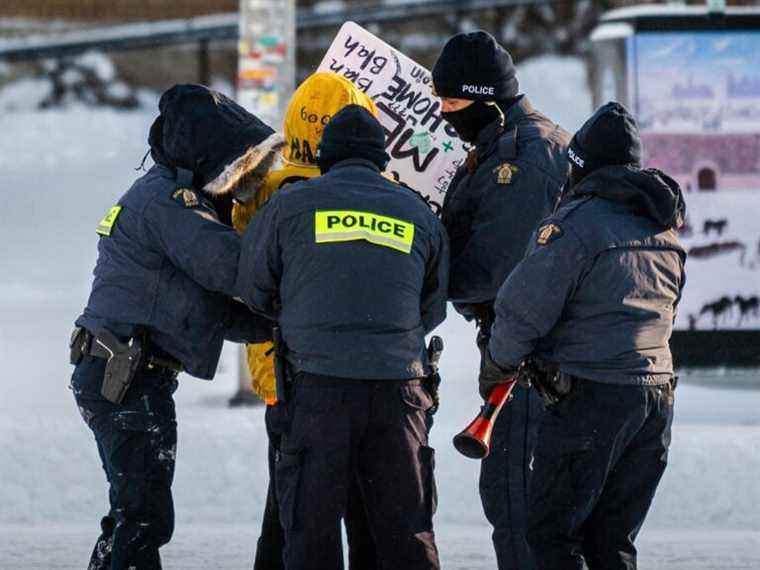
122	364
552	384
280	365
433	380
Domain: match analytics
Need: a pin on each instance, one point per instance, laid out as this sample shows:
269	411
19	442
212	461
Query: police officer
510	181
594	302
161	303
354	268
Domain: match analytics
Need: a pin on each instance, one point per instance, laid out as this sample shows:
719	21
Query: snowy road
61	170
227	547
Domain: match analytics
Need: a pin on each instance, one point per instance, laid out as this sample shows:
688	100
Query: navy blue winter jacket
494	203
598	290
354	268
170	268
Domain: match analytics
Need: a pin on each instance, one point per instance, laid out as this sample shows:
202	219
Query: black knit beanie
609	137
353	132
474	66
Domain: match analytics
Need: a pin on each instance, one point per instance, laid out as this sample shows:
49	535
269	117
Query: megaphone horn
474	441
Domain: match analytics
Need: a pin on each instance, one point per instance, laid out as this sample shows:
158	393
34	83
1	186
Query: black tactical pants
599	458
504	477
137	443
271	544
341	431
505	473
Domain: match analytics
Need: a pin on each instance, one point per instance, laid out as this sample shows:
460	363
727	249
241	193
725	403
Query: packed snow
61	170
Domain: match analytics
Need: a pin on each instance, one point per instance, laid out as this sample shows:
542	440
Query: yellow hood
312	106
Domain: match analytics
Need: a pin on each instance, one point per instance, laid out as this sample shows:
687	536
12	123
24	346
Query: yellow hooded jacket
312	106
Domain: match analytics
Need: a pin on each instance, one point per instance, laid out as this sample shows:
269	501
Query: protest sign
425	150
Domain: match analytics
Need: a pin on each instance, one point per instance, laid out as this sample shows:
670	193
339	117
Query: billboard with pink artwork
697	99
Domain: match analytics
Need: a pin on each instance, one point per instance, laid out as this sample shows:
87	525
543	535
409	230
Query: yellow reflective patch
106	224
348	225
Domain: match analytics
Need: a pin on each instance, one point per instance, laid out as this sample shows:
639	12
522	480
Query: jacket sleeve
502	223
260	270
242	325
435	287
534	296
196	242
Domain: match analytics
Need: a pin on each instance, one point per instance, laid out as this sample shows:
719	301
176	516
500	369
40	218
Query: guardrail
204	29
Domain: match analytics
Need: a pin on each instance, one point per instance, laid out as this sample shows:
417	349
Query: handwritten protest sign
425	150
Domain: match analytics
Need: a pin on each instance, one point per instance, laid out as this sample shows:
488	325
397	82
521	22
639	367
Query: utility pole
266	64
266	80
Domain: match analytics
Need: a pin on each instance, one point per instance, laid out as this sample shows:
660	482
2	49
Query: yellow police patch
348	225
548	233
187	197
105	227
505	172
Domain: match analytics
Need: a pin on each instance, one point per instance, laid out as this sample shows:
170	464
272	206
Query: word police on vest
478	89
575	158
348	225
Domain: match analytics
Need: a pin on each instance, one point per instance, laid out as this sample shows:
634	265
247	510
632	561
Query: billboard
697	97
424	149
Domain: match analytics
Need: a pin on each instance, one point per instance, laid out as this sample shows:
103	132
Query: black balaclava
353	132
468	122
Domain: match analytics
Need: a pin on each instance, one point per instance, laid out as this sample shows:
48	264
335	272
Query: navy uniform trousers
340	431
505	476
271	544
600	455
137	443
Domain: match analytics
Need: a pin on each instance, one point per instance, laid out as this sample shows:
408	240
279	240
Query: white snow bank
558	87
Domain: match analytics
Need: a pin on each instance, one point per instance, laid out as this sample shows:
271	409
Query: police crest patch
548	233
186	197
505	172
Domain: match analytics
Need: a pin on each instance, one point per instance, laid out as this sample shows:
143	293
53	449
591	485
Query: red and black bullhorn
474	441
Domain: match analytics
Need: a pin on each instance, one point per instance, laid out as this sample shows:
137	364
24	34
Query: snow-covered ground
60	171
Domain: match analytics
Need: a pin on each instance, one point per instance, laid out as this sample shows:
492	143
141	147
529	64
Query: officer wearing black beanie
593	301
354	268
510	181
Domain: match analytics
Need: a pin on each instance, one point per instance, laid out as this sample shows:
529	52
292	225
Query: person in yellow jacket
315	101
312	106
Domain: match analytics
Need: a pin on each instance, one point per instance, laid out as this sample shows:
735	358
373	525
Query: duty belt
155	362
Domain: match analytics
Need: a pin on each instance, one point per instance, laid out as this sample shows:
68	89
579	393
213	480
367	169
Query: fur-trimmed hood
223	145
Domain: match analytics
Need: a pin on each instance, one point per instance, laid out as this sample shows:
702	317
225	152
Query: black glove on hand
491	375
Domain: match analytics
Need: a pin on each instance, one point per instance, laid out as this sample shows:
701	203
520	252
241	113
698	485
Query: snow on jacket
315	101
354	267
598	290
166	264
496	200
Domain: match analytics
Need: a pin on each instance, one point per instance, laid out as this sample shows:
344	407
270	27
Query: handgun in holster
123	362
280	365
433	380
551	383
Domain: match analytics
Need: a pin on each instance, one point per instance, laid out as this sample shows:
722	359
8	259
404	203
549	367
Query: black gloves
491	374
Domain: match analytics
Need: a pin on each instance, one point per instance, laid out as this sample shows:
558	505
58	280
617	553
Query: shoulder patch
548	233
188	198
505	172
105	227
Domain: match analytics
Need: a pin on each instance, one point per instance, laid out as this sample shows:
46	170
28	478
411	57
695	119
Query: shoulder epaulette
564	211
508	144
